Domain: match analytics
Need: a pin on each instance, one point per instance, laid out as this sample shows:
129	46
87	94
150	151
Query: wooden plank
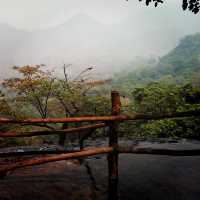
64	131
113	142
133	116
47	159
60	120
35	152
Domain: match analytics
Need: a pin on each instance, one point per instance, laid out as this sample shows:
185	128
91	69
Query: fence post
62	137
113	157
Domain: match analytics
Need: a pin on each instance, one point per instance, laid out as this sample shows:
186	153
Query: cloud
41	14
106	33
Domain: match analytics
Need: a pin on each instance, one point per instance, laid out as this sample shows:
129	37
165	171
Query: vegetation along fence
112	150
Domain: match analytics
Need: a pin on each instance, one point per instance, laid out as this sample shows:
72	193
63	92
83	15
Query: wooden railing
112	150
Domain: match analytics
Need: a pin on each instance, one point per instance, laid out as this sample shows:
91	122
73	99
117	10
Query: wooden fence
102	121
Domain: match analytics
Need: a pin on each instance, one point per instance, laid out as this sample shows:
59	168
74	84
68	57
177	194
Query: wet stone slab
145	177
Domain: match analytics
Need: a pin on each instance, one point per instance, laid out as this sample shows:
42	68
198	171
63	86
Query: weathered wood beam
37	133
47	159
134	116
32	153
60	120
113	142
159	151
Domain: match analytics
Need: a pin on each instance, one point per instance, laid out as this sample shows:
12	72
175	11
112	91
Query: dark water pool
145	177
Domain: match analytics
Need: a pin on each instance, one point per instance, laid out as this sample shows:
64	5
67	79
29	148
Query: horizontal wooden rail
61	120
47	132
90	152
46	159
134	116
35	152
156	151
120	149
112	150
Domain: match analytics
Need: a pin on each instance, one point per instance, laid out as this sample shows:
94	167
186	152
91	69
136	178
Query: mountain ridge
178	66
84	41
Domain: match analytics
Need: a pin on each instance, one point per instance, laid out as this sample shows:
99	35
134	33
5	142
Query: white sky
158	29
41	14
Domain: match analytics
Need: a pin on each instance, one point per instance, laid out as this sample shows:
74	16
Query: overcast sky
114	34
41	14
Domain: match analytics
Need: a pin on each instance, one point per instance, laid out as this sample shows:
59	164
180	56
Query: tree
33	86
158	98
72	95
36	91
191	5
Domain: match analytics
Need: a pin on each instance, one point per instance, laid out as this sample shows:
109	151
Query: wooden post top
116	103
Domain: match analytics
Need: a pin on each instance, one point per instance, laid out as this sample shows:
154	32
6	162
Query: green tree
157	98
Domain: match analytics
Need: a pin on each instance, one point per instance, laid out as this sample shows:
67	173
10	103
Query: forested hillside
158	86
184	60
172	84
179	66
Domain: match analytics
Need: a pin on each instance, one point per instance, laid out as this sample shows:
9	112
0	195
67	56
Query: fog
109	35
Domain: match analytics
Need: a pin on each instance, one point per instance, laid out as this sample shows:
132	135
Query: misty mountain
178	66
151	32
10	41
83	41
77	41
183	60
